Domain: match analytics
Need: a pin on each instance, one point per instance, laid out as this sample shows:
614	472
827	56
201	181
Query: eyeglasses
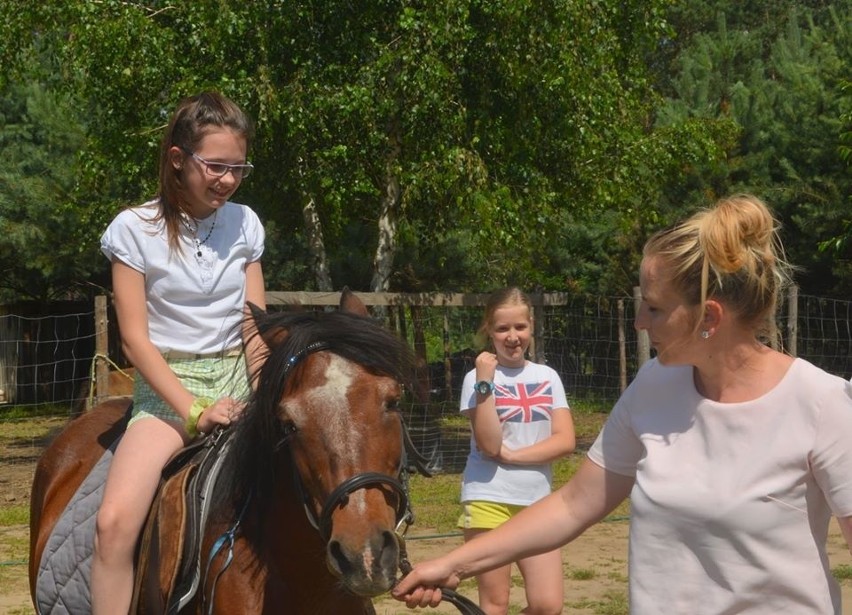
219	169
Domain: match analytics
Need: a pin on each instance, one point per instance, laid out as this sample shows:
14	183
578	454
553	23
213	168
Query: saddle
170	545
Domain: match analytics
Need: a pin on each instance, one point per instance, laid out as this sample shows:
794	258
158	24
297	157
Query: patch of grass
30	412
590	406
582	574
435	502
614	603
454	420
29	429
14	545
564	469
843	572
15	515
588	420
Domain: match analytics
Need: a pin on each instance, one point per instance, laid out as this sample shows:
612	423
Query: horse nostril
338	558
390	539
389	552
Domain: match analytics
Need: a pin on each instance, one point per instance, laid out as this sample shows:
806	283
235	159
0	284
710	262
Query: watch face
483	387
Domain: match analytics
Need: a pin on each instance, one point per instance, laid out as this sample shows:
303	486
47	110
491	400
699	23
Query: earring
705	334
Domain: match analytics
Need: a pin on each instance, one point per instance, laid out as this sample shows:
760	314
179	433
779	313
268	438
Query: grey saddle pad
62	585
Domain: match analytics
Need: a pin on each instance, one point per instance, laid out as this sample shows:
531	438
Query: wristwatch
484	387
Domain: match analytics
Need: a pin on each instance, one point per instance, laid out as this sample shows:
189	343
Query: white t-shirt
195	303
525	398
731	505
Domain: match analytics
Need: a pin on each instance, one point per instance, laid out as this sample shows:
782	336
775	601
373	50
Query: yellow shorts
209	377
482	515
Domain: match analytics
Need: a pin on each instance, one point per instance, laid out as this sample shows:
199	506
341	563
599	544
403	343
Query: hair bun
738	233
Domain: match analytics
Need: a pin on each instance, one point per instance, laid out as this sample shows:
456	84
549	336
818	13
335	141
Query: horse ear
350	303
273	335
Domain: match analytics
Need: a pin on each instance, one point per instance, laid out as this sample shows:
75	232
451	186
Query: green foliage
777	80
532	143
841	243
44	243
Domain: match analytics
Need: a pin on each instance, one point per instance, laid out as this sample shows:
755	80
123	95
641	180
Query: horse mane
259	460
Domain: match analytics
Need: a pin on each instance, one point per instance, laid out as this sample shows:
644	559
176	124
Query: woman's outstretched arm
588	497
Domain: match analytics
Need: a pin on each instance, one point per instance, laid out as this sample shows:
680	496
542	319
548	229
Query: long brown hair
193	119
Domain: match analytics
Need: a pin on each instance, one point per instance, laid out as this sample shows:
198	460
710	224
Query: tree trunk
391	203
316	243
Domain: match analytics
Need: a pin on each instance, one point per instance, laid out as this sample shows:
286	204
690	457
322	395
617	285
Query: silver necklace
194	231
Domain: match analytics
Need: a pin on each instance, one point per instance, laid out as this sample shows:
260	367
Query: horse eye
392	405
289	429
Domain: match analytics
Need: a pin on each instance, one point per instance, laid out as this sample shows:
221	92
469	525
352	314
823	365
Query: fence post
101	349
421	390
622	347
449	385
536	350
643	344
792	319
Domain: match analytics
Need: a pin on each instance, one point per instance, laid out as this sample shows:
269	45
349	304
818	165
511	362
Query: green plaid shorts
213	377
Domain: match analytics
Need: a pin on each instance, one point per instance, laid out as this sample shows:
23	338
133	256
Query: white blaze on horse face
343	435
328	407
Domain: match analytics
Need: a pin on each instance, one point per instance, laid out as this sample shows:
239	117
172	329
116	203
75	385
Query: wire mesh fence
47	361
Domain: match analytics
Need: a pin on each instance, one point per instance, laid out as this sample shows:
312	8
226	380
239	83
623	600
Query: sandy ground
595	572
598	560
595	564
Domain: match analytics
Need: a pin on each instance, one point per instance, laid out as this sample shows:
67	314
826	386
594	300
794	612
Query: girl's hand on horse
224	411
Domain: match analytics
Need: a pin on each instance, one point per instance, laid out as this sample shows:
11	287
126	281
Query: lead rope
465	605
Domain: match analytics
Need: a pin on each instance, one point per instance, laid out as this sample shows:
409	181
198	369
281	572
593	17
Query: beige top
731	505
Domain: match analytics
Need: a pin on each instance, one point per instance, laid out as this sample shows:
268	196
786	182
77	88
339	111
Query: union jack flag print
524	402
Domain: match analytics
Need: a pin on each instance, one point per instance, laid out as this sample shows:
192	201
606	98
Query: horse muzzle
366	570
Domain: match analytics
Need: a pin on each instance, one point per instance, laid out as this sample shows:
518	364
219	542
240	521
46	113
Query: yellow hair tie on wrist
195	411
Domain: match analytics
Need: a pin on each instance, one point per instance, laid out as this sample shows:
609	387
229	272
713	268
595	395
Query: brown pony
309	501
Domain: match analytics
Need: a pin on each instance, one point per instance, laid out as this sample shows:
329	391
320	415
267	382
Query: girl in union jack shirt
520	423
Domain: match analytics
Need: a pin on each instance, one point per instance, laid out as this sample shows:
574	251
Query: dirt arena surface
595	564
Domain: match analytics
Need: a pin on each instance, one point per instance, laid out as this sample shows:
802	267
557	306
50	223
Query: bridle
404	516
398	485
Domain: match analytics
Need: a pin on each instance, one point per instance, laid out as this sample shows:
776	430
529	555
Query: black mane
257	456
